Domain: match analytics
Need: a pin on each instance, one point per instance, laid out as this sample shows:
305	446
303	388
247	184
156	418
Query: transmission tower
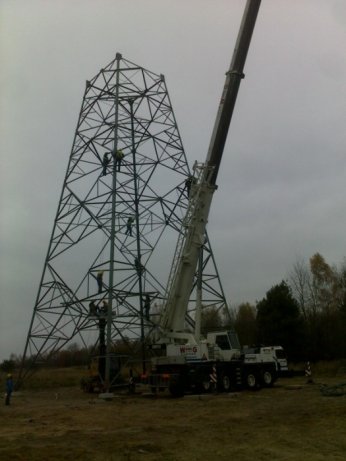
121	208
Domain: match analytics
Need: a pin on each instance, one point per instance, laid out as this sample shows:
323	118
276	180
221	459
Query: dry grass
292	421
48	378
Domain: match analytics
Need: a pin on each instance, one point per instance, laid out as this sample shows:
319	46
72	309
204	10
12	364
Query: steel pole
112	236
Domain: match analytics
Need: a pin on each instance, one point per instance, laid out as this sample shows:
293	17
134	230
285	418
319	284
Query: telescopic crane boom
172	321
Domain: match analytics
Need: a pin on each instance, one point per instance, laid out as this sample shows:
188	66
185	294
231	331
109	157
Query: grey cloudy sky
282	180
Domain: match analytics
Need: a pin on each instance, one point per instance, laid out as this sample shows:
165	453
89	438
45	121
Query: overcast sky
282	180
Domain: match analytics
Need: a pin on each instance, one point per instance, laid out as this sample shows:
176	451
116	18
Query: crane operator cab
223	345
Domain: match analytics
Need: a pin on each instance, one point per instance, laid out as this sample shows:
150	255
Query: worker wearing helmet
9	388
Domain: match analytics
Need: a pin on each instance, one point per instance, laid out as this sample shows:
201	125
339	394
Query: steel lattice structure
125	108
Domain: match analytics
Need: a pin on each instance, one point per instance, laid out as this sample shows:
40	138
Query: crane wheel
205	386
267	379
252	381
226	383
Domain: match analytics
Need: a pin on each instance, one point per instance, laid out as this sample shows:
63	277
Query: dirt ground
291	421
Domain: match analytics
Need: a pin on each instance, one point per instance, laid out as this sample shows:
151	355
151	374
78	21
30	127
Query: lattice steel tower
121	208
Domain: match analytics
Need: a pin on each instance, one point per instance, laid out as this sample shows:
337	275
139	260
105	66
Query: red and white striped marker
308	372
213	376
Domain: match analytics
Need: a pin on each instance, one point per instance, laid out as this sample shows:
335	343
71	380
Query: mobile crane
191	362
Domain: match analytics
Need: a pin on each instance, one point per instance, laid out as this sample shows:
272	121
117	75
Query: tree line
306	314
71	356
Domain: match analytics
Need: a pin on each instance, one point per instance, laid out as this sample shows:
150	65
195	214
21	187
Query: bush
7	366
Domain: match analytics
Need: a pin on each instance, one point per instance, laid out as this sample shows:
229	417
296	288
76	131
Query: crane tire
267	378
252	381
226	383
205	385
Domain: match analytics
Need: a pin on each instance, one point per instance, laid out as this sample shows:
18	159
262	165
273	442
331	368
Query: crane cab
223	345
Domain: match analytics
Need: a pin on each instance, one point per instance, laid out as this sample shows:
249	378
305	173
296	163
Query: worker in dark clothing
104	307
188	184
105	162
92	308
119	155
9	389
99	279
147	306
129	224
139	267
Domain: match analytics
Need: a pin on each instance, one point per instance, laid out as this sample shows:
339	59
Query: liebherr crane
202	190
189	361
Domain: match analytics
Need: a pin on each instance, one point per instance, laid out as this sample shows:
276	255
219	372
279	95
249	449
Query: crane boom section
194	235
231	87
173	317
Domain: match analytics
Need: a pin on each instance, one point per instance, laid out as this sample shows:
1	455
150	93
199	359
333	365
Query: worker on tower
92	308
129	224
139	266
188	184
147	306
99	279
119	155
104	308
105	162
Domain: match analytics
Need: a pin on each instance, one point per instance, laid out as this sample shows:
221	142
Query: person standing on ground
9	389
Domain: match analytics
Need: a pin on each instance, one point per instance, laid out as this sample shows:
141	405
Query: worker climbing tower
121	209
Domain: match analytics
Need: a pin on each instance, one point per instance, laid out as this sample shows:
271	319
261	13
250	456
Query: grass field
291	421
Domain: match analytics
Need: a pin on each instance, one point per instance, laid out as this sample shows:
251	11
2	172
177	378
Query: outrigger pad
106	395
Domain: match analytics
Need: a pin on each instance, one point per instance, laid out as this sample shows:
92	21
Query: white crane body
172	322
193	235
192	363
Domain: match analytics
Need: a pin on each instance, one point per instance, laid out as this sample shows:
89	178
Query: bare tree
324	283
301	283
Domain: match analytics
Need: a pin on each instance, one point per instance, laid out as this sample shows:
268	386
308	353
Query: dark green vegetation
305	314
